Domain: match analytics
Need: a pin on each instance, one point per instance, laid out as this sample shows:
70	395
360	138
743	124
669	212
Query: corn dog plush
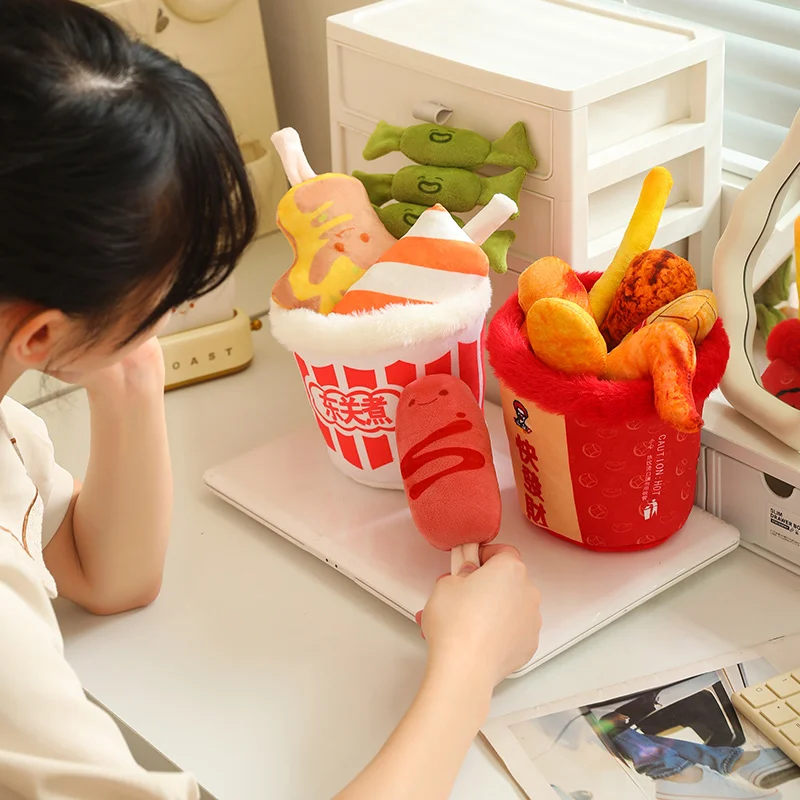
447	466
638	237
455	189
653	279
438	145
565	337
398	219
664	351
551	277
334	232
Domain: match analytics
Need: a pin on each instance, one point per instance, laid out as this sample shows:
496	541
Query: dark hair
122	188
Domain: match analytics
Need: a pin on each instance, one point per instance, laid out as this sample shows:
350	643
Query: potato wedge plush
565	337
551	277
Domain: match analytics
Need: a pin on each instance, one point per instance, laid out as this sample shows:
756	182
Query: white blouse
35	492
54	743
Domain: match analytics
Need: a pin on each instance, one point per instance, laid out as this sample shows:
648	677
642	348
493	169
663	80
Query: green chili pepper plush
455	189
398	218
452	147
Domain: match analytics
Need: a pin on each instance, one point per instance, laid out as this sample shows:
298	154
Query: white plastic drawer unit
764	506
606	93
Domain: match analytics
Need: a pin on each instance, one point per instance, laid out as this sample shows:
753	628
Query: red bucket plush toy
594	463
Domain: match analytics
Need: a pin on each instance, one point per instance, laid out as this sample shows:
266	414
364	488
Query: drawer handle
432	112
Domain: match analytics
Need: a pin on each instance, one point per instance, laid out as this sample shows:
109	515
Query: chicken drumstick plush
447	467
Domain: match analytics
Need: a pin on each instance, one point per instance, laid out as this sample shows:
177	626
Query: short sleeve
56	486
62	490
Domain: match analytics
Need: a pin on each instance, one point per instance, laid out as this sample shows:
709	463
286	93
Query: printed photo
679	741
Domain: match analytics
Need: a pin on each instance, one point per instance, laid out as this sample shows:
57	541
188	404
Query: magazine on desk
672	736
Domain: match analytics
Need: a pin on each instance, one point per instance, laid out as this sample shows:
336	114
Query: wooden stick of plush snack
290	150
638	237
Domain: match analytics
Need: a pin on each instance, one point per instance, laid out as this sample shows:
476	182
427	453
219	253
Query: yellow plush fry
565	337
638	237
696	312
666	352
551	277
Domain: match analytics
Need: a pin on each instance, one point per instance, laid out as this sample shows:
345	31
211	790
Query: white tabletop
269	675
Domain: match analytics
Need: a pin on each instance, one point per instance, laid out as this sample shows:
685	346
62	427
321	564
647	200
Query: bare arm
424	754
108	554
480	627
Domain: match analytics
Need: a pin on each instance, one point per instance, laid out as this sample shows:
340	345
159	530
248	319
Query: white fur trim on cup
301	330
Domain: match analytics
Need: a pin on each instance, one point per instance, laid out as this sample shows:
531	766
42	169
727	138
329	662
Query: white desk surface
269	675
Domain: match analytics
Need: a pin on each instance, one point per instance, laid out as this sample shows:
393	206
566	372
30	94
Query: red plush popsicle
447	467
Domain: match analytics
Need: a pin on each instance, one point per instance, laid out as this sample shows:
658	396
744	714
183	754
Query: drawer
766	510
610	208
534	227
370	89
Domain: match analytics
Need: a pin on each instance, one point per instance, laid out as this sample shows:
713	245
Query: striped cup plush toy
435	261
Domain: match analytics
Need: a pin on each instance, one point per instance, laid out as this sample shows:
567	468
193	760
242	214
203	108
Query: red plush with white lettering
446	463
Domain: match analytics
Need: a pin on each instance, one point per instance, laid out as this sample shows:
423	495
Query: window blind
762	71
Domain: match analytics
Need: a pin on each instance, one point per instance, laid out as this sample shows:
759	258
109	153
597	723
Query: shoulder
29	430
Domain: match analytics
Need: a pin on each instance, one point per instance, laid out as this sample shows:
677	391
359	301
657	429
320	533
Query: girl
123	195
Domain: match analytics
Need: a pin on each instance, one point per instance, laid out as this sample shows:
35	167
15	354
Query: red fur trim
784	342
596	400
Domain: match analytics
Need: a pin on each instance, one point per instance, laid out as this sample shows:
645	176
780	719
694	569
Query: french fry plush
638	237
653	279
398	218
694	311
455	189
551	277
565	337
442	146
665	351
332	227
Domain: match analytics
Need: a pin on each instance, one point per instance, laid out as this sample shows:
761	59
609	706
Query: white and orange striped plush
434	261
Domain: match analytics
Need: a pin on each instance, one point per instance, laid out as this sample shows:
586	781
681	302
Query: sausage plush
446	463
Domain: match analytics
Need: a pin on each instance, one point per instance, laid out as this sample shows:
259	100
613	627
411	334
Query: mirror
755	269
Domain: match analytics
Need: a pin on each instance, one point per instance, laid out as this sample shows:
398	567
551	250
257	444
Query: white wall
295	34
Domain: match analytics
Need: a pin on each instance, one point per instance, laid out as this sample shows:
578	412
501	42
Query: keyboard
774	708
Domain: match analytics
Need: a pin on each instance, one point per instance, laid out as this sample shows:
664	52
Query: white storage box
607	92
753	482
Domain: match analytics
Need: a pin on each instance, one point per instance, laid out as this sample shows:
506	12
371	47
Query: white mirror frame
754	215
